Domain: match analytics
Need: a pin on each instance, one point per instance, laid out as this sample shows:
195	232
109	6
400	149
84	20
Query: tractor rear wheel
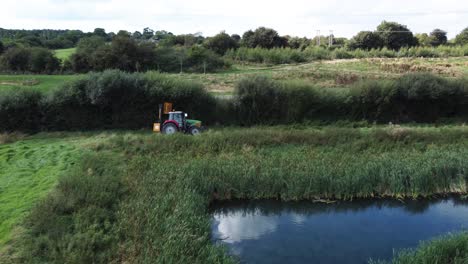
169	129
195	131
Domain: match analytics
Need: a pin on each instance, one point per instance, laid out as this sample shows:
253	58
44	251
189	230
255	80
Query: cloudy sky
290	17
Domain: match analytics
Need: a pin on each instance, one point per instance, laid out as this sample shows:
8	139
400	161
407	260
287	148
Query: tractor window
178	118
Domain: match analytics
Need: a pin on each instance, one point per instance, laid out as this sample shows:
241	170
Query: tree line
29	50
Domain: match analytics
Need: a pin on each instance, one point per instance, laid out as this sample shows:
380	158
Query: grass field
140	197
333	74
30	168
64	54
39	82
326	74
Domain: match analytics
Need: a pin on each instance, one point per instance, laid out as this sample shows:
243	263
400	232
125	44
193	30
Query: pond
343	232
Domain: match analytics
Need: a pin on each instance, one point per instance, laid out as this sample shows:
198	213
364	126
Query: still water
344	232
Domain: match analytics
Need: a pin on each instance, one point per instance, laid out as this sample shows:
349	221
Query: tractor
177	122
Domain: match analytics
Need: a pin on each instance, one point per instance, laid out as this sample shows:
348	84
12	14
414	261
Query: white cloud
293	17
238	226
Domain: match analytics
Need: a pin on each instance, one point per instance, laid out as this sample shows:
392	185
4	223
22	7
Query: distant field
326	74
335	73
40	82
64	54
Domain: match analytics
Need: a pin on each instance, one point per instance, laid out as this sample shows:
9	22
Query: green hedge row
118	100
412	98
112	99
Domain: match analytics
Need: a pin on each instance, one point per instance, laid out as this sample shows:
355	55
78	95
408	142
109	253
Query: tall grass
451	248
150	205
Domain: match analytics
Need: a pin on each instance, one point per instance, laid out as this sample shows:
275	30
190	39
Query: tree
236	37
221	43
462	38
90	44
100	32
396	36
366	40
247	39
298	43
43	61
148	33
438	37
264	38
423	39
137	35
2	47
16	59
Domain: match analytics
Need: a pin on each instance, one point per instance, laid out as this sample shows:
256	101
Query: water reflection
345	232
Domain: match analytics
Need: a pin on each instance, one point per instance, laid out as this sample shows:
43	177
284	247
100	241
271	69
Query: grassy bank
29	170
64	54
151	193
452	249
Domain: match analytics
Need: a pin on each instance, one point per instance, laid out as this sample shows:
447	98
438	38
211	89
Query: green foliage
414	97
150	205
75	223
221	43
275	163
452	248
2	48
114	99
268	56
35	60
366	40
29	168
123	53
312	53
438	37
260	100
396	36
19	110
462	38
263	38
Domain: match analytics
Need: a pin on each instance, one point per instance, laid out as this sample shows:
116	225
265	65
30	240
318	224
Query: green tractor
176	122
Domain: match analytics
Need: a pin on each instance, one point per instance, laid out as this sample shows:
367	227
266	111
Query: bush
260	100
19	110
35	60
413	97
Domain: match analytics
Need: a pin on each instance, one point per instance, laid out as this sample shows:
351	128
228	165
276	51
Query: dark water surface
344	232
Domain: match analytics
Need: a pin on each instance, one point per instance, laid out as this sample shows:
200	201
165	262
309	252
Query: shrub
413	97
35	60
260	100
20	110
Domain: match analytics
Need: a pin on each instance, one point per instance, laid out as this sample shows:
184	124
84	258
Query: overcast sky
288	17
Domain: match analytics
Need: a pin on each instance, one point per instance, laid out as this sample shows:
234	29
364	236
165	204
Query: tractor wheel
169	129
195	131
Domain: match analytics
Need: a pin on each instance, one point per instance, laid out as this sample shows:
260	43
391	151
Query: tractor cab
178	116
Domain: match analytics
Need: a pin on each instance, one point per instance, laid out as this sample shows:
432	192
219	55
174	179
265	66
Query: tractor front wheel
195	131
169	129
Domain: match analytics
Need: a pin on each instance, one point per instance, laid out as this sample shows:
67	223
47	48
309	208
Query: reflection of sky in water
238	226
275	232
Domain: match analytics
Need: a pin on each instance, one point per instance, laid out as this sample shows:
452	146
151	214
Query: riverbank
144	198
